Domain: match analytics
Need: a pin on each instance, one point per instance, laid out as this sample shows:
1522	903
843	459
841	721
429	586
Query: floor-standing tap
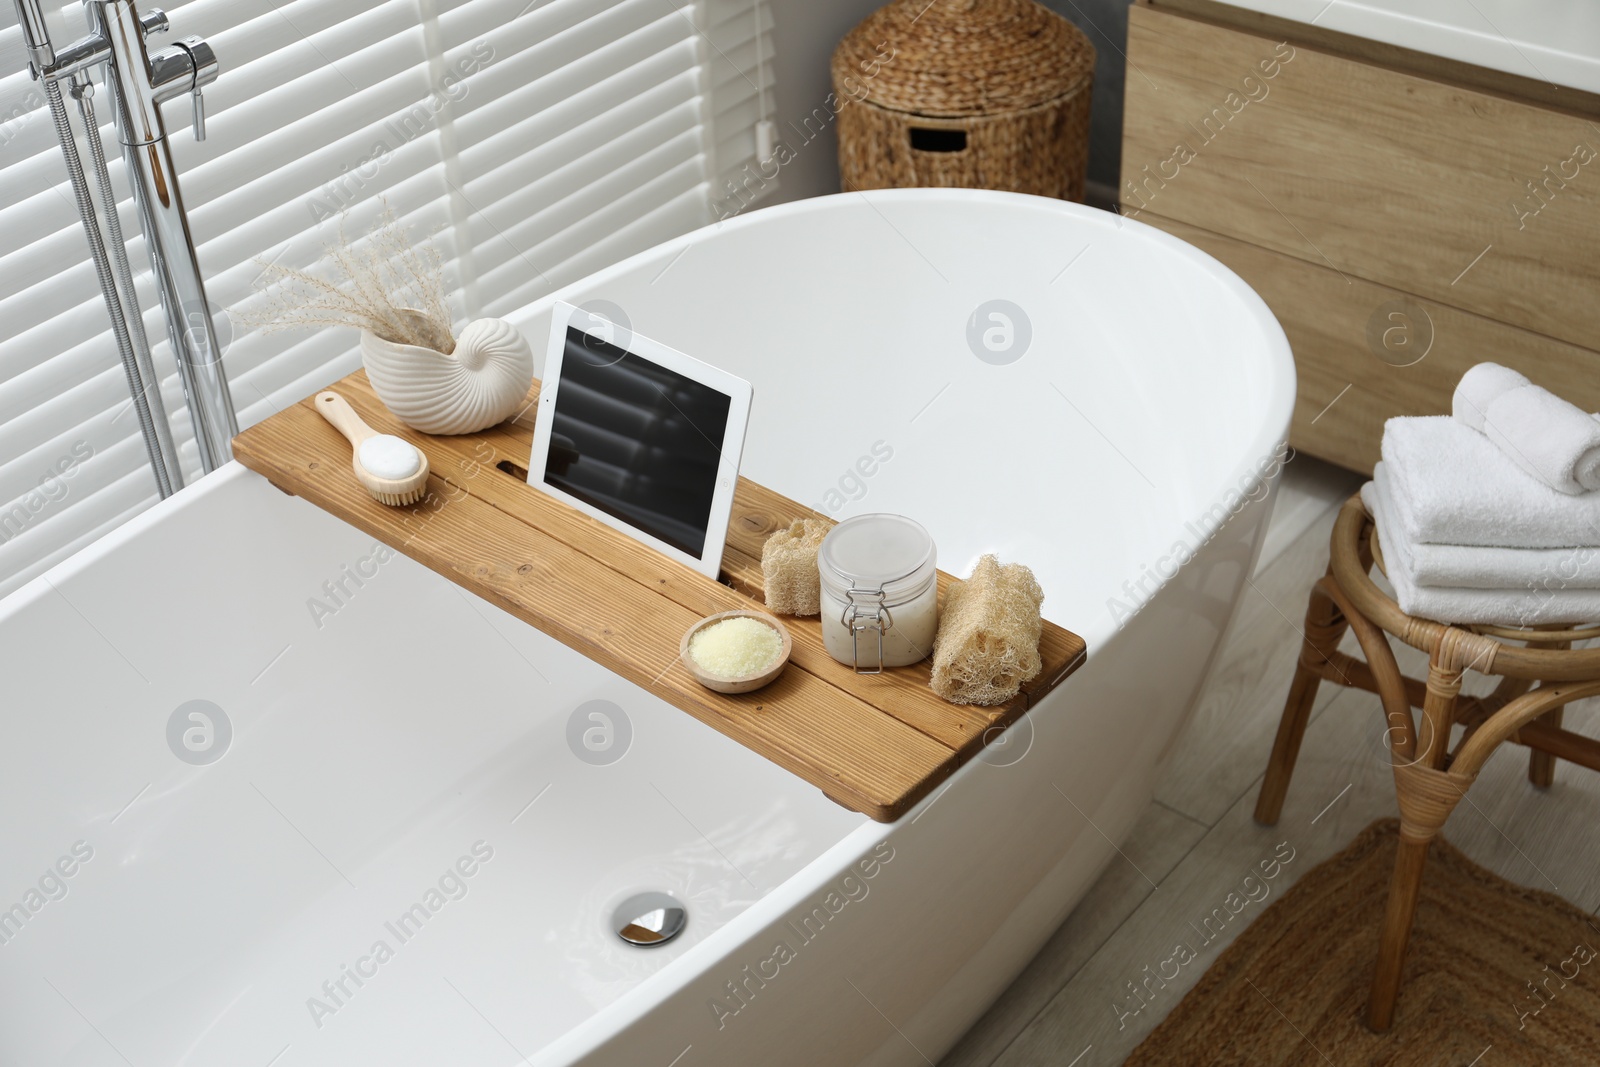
138	82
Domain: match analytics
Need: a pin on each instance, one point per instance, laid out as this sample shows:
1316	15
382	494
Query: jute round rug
1496	975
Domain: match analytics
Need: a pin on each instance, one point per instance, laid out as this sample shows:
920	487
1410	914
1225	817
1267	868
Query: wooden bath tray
874	743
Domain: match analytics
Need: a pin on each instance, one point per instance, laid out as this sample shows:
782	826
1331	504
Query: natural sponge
988	641
789	568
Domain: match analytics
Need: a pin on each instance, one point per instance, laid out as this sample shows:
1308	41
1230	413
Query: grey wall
805	33
1106	23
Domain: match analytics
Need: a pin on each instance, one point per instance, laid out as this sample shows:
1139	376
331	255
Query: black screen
636	440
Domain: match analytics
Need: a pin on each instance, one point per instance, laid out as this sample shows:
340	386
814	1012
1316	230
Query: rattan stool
1537	679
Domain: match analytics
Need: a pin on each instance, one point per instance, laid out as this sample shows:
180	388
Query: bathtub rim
1270	435
589	1035
1245	476
634	1005
42	584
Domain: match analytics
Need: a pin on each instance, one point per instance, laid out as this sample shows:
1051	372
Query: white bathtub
413	738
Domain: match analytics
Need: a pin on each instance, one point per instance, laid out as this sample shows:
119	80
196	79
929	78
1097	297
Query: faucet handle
203	66
154	21
199	102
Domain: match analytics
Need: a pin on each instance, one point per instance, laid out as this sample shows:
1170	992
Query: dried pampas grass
392	289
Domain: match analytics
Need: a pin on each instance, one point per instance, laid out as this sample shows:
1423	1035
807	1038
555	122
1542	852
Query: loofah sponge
988	640
789	568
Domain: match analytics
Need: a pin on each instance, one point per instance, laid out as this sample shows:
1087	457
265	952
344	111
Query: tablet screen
636	440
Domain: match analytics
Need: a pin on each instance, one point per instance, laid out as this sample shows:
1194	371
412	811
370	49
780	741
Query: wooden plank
1377	173
472	462
757	513
875	743
862	758
1326	318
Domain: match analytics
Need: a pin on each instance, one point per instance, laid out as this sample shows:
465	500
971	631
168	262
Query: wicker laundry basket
986	94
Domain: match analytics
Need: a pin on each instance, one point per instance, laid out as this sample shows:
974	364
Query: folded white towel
1556	442
1553	440
1452	486
1477	567
1479	387
1503	607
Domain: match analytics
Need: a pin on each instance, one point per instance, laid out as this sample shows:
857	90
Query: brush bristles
399	500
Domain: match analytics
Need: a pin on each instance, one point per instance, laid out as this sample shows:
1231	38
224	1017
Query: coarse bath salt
736	648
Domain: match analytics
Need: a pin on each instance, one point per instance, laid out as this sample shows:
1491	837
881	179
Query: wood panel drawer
1366	352
1472	198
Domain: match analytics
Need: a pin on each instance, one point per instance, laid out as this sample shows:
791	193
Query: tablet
640	436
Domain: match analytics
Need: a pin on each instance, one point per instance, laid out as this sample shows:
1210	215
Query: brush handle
338	411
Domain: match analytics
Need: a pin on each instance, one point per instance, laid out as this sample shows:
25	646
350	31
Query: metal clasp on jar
865	611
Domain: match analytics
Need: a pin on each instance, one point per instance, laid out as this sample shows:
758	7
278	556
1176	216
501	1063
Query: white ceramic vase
482	383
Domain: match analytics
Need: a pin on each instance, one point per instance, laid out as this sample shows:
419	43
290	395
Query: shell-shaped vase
482	383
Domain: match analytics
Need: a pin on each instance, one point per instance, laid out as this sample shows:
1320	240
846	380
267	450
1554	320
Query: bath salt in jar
880	592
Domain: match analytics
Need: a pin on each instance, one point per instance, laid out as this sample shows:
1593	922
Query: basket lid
954	58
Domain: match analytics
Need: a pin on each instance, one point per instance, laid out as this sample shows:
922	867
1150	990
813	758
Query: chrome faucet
138	82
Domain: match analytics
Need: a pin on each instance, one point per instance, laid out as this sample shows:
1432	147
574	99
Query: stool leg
1425	797
1325	627
1438	714
1542	765
1404	887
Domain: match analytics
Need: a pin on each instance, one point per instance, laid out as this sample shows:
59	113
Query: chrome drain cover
649	919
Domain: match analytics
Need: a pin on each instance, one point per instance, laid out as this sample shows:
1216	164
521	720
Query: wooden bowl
736	685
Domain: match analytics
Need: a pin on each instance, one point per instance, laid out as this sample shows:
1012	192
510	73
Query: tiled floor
1198	838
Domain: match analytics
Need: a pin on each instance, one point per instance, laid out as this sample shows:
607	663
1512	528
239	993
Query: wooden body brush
392	469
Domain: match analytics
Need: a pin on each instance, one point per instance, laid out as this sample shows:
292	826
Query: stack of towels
1492	514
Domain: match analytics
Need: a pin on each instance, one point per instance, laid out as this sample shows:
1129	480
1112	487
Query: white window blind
533	141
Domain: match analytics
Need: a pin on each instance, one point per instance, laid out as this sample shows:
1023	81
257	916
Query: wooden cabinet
1403	215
